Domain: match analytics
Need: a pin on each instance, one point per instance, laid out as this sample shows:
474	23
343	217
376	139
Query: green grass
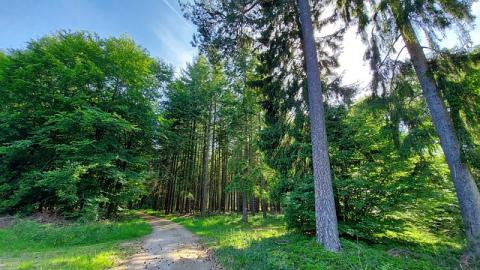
98	245
269	245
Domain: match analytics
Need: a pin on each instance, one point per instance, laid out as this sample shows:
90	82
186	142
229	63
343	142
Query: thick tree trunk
467	190
325	215
206	157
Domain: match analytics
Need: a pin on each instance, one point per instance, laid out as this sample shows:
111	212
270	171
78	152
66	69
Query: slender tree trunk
198	176
246	173
250	166
174	185
224	174
467	191
206	157
244	207
239	201
170	186
264	202
252	206
211	202
325	215
190	182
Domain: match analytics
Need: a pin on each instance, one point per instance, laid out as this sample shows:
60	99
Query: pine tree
390	18
326	218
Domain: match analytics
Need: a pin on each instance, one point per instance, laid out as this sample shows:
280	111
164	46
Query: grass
92	246
267	244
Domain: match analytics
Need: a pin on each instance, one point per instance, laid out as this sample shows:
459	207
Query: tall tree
431	17
77	124
207	141
325	215
275	28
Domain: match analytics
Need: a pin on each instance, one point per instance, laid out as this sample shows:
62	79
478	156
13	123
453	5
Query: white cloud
178	52
172	8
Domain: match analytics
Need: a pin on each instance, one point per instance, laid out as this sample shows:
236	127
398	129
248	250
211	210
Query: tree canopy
259	121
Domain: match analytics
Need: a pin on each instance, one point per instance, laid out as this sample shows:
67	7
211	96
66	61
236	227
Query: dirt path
169	247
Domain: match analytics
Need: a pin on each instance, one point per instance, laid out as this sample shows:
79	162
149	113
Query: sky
156	25
357	70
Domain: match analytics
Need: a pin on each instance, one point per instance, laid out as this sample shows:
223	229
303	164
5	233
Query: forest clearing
252	134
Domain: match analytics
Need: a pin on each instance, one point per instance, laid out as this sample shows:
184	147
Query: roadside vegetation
27	244
268	244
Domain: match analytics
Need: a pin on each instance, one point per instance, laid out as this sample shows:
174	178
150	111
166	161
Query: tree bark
263	200
224	174
325	215
467	191
206	157
244	207
211	201
251	164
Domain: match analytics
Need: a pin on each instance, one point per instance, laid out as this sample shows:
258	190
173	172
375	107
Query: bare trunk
244	207
170	185
224	175
206	157
467	190
325	215
251	164
211	202
264	202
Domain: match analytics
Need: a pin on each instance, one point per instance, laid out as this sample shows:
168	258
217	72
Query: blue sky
156	25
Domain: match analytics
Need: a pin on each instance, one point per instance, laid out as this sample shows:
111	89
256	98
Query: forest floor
169	247
268	244
177	242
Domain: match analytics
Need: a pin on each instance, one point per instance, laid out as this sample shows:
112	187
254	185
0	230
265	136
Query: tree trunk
206	157
262	198
467	190
263	183
251	164
325	215
169	190
252	205
211	202
224	174
244	207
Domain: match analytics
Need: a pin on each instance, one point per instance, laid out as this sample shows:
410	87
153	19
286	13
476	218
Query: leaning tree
385	22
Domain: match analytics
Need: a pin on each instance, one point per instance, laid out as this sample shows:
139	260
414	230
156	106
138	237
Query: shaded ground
168	247
43	218
6	221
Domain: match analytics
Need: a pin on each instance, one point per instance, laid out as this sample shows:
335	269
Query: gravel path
170	246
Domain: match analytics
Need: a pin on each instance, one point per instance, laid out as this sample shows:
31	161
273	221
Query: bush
299	206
